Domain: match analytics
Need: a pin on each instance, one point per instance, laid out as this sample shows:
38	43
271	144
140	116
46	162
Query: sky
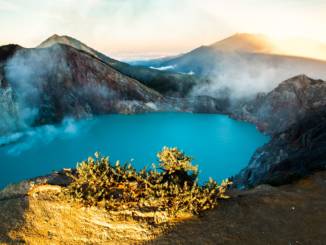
151	28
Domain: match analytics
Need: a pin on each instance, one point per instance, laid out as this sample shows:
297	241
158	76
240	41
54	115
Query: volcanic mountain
44	85
165	82
245	60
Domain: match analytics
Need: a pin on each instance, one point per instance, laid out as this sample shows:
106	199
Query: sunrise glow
140	28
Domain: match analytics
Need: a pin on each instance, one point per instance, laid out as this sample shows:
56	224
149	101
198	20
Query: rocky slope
296	152
47	84
291	214
294	114
290	102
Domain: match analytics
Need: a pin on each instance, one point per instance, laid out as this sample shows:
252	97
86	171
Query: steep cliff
294	114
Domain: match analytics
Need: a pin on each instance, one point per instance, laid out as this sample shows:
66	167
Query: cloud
122	26
8	6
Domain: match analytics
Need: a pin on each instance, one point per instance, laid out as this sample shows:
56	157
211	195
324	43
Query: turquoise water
220	146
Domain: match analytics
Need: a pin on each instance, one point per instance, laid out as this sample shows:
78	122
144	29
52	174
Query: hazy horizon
129	29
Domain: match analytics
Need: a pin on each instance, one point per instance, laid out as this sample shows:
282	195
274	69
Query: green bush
173	187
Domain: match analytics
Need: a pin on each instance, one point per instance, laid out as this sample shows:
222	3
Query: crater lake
219	145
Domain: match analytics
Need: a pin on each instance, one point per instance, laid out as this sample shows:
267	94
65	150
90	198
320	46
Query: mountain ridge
165	82
241	53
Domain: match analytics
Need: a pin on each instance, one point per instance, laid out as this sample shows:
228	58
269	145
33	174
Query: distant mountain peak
54	36
55	39
245	42
73	42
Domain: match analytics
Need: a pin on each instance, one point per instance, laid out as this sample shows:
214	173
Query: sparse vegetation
172	187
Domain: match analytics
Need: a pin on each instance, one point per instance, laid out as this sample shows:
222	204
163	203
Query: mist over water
220	145
21	142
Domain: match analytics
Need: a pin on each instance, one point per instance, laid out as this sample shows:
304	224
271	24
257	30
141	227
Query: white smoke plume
27	71
242	76
38	76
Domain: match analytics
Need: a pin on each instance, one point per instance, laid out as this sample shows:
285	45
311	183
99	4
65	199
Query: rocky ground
290	214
